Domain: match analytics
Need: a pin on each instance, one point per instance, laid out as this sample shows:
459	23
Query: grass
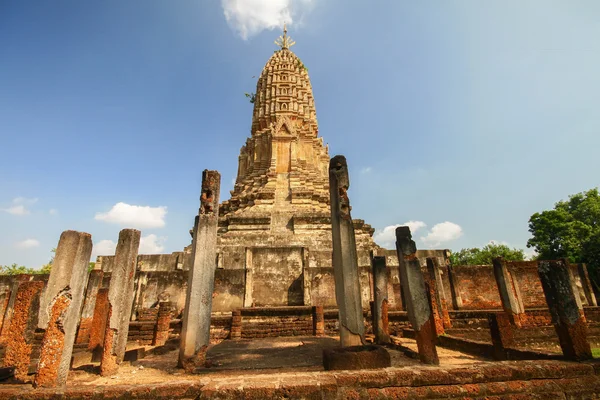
596	352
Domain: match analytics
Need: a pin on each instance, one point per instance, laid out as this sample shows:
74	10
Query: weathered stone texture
508	290
19	339
99	320
120	301
417	303
380	301
345	262
60	307
568	318
87	314
195	333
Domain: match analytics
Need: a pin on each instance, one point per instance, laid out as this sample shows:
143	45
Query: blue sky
462	117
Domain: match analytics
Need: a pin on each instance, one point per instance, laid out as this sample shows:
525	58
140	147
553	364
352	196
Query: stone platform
241	370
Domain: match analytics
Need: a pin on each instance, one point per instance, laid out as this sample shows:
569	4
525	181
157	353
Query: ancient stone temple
277	225
274	245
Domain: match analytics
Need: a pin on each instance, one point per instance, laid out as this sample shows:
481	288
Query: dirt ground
257	356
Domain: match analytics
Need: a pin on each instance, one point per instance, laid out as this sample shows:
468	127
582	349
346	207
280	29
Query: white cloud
25	200
387	236
441	233
150	244
249	17
134	216
366	170
20	206
104	248
17	210
27	244
53	211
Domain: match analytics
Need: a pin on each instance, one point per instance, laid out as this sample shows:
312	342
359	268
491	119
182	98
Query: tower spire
284	41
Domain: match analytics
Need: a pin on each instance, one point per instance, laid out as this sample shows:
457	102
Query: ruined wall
477	287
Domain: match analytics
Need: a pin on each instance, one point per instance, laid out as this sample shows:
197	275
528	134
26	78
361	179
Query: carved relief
339	169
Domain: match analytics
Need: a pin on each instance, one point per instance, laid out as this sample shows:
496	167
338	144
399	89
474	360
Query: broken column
417	304
10	304
567	317
345	261
435	269
163	323
380	300
120	301
19	339
87	315
501	331
586	284
509	297
195	333
318	319
98	328
60	307
434	297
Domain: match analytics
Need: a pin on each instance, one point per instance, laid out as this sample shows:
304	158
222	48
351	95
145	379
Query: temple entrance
274	276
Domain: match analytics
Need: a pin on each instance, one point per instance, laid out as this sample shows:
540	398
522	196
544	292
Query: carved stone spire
284	161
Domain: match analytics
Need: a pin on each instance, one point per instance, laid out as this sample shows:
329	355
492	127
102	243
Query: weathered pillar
587	284
4	300
454	290
87	315
380	300
195	333
318	320
441	293
345	261
163	322
60	307
502	334
120	300
19	339
236	325
510	302
417	304
434	296
10	306
567	317
99	320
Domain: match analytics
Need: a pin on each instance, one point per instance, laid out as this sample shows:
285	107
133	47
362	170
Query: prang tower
276	225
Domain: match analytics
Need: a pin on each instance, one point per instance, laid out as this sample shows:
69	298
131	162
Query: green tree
484	256
571	230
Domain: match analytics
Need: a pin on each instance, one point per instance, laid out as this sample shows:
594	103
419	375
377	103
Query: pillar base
356	357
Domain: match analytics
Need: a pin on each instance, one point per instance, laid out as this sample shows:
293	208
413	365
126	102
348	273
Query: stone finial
406	246
209	198
338	173
284	41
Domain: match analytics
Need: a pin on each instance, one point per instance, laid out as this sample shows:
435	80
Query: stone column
318	320
87	315
60	307
510	302
439	286
17	280
19	339
454	290
163	322
236	325
566	316
345	261
434	295
195	333
587	284
99	320
121	294
380	300
502	334
4	300
417	304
